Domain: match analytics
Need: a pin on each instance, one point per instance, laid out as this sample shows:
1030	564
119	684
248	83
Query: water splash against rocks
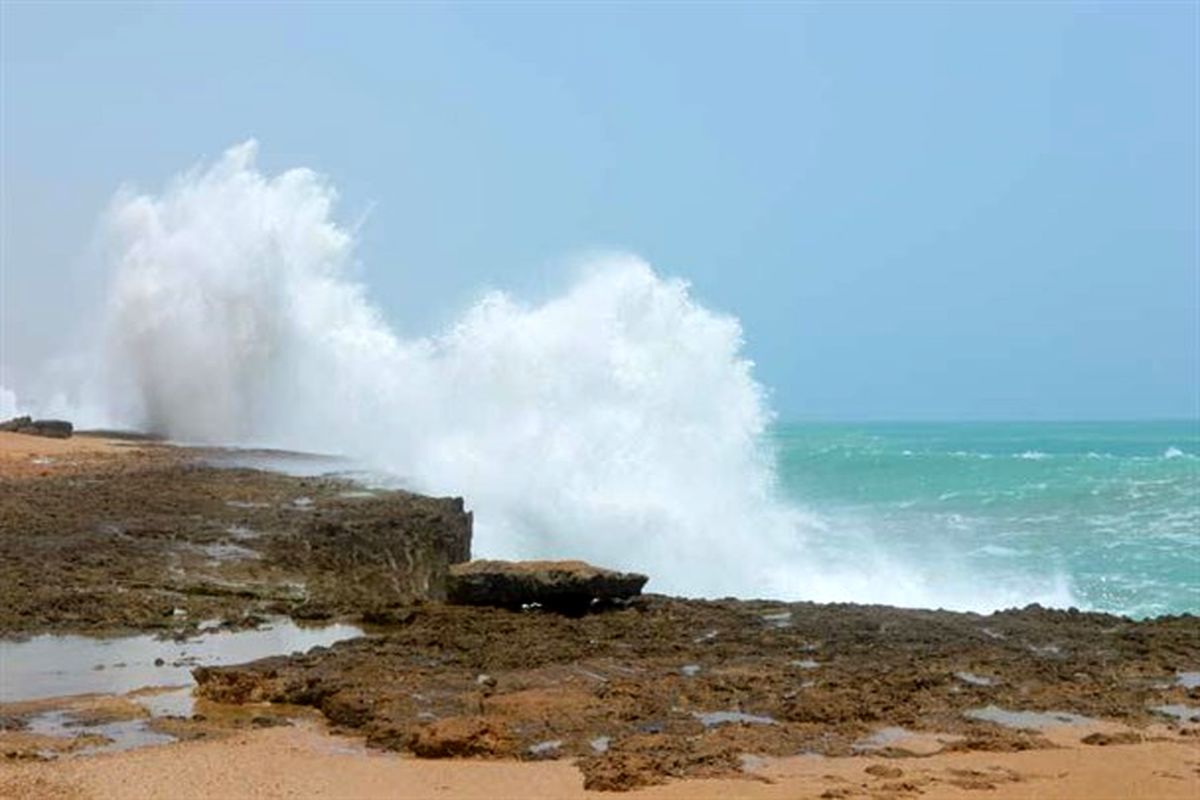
618	422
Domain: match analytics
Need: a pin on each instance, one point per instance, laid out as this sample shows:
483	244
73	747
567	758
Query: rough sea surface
1111	508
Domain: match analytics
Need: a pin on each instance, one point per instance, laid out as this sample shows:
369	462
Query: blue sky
925	210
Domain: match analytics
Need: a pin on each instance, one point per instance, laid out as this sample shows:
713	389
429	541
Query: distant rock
54	428
565	586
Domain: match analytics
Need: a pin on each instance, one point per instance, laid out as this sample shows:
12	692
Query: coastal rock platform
111	537
103	536
671	688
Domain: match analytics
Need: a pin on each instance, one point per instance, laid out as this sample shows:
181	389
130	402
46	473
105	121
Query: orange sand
23	456
304	762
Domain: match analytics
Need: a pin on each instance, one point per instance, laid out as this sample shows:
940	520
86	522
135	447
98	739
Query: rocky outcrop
567	586
392	550
125	540
686	688
53	428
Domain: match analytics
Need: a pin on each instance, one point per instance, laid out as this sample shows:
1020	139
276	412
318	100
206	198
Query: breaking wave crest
618	422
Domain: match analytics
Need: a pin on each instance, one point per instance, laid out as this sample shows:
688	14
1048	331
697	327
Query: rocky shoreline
687	688
158	538
635	690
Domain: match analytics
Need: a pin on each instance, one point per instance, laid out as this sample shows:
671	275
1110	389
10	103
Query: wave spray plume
619	422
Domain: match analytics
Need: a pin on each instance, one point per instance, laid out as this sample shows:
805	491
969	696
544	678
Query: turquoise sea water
1112	509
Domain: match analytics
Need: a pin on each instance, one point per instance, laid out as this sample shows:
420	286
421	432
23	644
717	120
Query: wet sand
302	761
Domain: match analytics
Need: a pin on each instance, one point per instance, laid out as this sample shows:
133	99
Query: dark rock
269	721
884	771
53	428
566	586
386	553
1120	737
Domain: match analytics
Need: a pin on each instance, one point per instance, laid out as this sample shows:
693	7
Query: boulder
54	428
566	586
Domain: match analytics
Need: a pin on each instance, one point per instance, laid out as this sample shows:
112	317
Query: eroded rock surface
772	679
568	586
156	539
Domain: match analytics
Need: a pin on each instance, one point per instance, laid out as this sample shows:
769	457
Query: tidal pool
153	673
56	666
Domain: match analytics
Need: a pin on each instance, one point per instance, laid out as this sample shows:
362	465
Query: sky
917	210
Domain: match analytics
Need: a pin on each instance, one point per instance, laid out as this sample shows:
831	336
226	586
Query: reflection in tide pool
57	666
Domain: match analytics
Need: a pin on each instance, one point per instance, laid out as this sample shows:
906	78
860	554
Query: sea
1112	508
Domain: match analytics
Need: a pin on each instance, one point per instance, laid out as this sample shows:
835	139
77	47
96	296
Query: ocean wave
618	422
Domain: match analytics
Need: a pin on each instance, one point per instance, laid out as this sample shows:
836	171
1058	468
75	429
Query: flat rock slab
569	586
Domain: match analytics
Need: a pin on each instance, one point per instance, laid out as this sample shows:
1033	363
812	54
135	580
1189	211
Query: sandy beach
304	762
690	699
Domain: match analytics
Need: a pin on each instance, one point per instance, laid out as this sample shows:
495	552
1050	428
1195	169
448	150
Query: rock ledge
565	586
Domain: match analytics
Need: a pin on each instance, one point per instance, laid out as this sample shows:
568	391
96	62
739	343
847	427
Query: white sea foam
618	422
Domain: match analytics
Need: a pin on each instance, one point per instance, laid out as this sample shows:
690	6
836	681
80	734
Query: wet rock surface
571	587
157	539
485	682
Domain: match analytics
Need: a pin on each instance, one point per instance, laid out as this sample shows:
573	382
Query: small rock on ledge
564	586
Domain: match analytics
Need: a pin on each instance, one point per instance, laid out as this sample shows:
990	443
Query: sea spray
618	422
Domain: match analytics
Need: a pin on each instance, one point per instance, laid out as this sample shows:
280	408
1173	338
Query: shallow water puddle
57	666
973	679
220	552
152	673
902	739
1178	711
1188	680
125	734
780	619
546	749
1026	720
712	719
